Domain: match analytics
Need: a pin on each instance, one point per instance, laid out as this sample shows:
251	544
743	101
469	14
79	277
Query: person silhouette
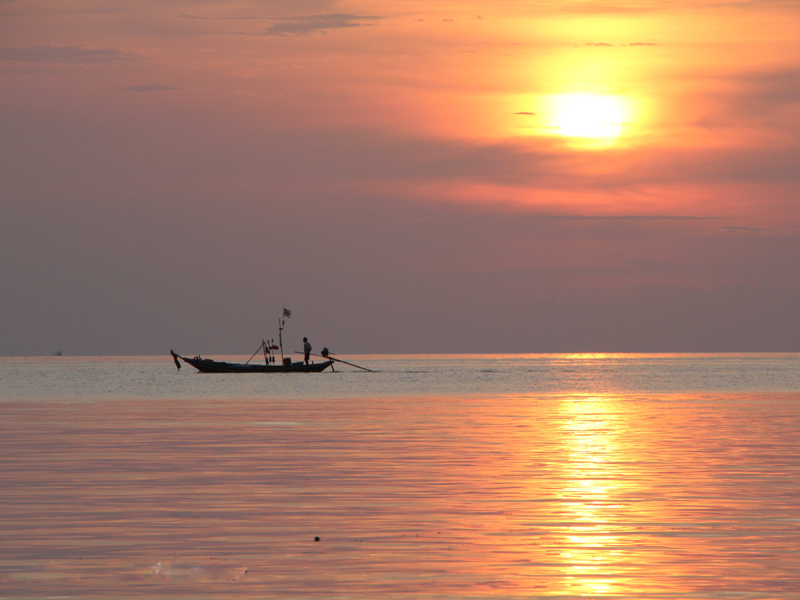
306	349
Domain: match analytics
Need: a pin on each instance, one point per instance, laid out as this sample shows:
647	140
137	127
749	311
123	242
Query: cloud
203	18
755	4
286	26
631	45
152	87
64	54
592	8
775	86
579	217
757	231
765	100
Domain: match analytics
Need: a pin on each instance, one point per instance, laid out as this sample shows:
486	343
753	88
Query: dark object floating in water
271	364
206	365
316	538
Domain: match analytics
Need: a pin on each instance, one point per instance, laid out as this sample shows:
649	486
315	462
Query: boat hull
206	365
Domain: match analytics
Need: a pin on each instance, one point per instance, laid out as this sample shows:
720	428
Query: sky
405	176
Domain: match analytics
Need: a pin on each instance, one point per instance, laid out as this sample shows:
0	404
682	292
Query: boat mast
280	336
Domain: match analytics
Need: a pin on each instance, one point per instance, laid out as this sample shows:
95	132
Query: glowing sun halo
590	121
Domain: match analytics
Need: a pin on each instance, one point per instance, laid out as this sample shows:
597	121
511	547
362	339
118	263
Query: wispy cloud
152	87
286	26
64	54
755	4
579	217
756	231
631	45
765	99
204	18
582	7
775	86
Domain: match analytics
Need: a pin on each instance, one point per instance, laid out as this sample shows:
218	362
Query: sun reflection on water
588	435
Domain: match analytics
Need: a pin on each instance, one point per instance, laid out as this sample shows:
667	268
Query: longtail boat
207	365
271	363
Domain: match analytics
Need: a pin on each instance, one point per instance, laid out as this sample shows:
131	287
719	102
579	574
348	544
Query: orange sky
396	172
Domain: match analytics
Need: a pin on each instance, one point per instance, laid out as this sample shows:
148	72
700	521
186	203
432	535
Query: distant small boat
206	365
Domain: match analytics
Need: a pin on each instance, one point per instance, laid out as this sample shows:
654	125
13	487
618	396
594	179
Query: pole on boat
280	335
254	354
329	357
264	346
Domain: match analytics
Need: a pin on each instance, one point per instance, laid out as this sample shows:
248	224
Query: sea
432	477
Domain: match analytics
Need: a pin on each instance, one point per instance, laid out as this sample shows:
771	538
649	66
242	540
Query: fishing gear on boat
327	355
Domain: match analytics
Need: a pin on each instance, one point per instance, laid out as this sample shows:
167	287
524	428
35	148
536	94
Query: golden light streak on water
591	450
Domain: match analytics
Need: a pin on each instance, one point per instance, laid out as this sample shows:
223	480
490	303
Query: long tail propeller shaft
329	357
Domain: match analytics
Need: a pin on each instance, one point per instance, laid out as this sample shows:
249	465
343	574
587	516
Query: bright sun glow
590	121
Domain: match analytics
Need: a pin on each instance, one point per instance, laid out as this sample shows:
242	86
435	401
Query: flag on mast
287	313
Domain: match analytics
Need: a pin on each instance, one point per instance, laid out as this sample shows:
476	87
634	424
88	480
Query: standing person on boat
306	349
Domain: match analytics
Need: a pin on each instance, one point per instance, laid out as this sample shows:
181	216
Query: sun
590	121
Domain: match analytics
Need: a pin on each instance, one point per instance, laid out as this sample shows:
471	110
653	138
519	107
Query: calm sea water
436	477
